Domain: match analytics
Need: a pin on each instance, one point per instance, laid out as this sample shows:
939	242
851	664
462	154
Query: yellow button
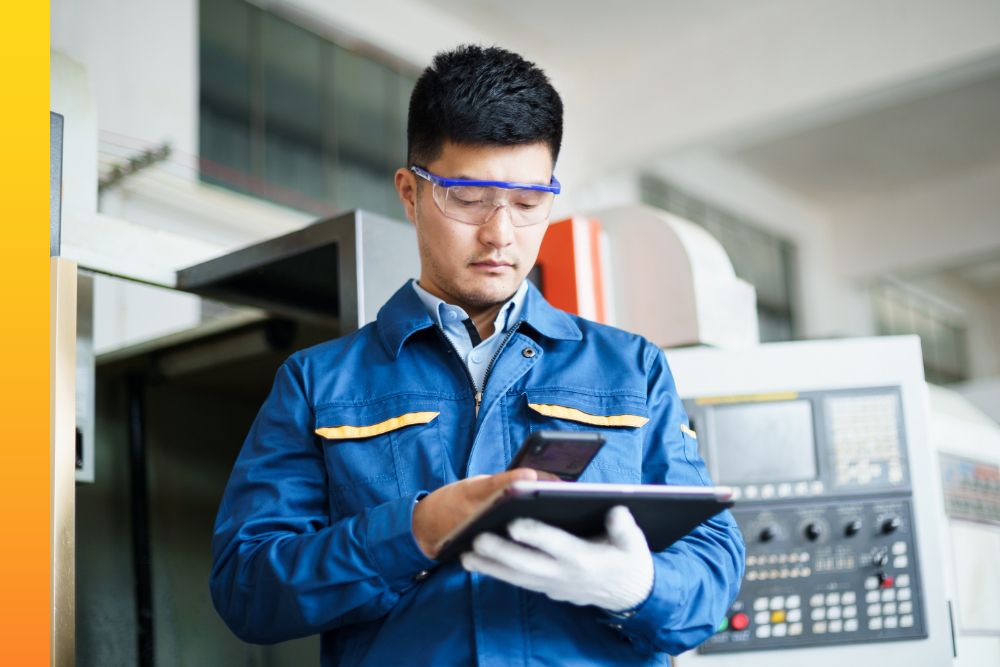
777	617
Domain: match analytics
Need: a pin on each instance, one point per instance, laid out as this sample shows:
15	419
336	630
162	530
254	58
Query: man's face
475	266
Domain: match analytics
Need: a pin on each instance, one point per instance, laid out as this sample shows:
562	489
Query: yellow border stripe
749	398
563	412
687	429
24	336
345	432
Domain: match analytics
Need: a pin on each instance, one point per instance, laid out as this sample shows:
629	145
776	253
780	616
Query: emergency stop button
739	621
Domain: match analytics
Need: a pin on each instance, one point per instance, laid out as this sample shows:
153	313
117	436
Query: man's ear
406	187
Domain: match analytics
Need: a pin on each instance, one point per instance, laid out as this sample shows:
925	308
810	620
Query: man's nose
498	230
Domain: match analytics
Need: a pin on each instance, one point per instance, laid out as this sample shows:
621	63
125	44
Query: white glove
614	572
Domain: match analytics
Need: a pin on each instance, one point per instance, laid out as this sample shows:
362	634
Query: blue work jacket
314	531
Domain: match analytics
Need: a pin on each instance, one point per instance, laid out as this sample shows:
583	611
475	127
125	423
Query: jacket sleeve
698	577
282	566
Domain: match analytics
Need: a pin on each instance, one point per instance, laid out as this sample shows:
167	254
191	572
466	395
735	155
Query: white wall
943	222
980	310
142	56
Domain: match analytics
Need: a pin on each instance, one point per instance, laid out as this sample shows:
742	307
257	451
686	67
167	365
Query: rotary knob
880	558
814	531
853	527
891	524
768	533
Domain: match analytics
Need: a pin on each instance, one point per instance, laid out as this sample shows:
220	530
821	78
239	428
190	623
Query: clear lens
474	205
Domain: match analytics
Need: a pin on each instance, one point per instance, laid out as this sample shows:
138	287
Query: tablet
664	513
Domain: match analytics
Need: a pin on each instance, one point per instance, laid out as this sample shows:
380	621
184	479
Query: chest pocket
378	451
618	418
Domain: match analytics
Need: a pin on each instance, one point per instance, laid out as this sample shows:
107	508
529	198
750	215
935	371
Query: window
291	117
900	309
761	258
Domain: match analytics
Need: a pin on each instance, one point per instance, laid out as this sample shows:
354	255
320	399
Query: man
371	448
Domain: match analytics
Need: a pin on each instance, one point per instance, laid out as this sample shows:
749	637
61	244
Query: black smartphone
565	454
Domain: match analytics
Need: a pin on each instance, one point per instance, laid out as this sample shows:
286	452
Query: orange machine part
557	261
561	268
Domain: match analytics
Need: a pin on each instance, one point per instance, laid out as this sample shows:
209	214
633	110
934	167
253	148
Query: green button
724	625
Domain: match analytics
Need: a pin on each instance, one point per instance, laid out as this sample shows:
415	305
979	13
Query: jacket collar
404	314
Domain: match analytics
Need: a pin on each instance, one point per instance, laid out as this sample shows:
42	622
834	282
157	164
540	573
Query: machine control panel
826	513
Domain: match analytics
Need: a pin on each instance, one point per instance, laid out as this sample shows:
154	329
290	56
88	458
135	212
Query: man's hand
614	573
441	512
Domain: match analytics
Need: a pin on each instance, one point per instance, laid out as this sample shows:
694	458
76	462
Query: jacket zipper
477	393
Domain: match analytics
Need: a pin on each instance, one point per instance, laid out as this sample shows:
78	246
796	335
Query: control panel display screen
763	442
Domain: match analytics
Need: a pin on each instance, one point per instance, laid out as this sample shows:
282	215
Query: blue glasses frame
554	186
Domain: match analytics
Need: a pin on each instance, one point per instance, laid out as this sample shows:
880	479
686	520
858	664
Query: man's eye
467	202
527	207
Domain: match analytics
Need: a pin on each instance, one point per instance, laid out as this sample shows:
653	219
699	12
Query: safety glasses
474	202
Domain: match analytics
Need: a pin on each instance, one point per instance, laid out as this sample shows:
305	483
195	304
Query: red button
739	621
887	581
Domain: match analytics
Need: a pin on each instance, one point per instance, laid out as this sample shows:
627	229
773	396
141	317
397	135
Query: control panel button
751	492
816	600
779	630
819	628
889	608
777	616
885	581
784	490
833	613
906	621
793	601
874	610
848	598
723	626
778	602
889	623
795	629
871	582
762	617
900	562
760	604
794	615
832	599
851	625
888	595
818	614
875	623
739	621
903	580
835	626
871	596
850	611
763	632
767	491
903	594
905	607
898	548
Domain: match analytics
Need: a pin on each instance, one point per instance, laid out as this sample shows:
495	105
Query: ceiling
887	150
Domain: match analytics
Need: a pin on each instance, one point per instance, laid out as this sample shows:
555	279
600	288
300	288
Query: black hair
476	95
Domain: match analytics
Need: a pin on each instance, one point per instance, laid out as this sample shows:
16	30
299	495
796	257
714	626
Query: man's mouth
492	263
